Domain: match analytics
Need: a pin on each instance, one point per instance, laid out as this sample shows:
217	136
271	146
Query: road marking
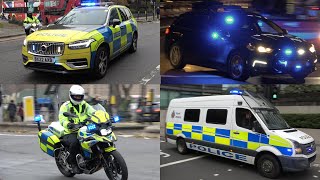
216	174
149	76
126	135
165	155
25	135
229	170
182	161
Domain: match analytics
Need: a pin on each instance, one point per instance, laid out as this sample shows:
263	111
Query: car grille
46	66
46	48
308	148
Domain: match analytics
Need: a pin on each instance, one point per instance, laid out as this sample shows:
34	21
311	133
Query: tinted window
128	13
269	27
192	115
123	14
217	116
244	118
113	15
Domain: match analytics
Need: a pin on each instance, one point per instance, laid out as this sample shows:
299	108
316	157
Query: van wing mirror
257	127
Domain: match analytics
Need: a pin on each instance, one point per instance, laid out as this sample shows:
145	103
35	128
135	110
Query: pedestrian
158	12
20	111
12	109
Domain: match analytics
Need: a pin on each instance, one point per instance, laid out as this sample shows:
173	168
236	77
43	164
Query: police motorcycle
97	146
33	27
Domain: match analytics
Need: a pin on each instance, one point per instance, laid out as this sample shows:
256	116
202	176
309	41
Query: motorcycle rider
78	106
28	21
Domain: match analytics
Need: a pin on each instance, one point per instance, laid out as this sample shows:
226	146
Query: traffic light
275	92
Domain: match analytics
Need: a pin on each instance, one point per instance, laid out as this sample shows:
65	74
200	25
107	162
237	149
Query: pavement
21	158
200	166
140	67
10	30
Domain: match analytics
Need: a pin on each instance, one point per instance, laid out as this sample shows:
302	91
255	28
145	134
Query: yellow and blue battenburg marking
244	139
48	142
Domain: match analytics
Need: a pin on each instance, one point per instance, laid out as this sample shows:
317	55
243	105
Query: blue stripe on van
178	126
169	131
264	139
285	151
223	133
187	134
241	144
253	137
197	129
208	138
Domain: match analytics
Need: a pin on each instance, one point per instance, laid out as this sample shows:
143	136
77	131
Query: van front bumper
296	163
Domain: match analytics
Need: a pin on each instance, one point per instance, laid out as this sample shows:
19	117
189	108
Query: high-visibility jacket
28	20
85	110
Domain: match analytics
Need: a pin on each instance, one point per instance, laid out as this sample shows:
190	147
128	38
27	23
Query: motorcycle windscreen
48	142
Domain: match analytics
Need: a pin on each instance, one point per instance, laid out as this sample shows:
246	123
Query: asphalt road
201	75
199	166
140	67
21	158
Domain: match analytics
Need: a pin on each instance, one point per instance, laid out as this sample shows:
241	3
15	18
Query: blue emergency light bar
215	35
89	4
236	92
288	52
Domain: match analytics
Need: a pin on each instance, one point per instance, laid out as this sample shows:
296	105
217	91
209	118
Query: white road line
25	135
182	161
126	135
149	76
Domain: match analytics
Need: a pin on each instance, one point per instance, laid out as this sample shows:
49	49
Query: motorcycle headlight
81	44
312	49
262	49
25	42
105	132
297	146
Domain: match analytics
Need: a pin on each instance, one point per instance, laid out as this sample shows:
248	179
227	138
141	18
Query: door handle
236	132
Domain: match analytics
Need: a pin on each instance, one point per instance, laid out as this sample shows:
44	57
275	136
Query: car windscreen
267	26
85	17
272	119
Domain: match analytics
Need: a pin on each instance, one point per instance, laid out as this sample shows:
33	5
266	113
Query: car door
115	37
245	139
125	24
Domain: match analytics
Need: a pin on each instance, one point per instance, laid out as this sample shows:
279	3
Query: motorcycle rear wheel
115	166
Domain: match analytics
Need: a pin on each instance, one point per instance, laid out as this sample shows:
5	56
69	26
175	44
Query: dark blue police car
241	43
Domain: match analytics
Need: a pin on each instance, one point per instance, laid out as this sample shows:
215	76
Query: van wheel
269	166
181	146
237	68
176	57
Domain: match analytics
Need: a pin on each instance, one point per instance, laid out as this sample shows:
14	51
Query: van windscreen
272	119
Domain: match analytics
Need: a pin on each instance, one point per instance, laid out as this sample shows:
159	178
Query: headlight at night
81	44
312	49
263	49
301	51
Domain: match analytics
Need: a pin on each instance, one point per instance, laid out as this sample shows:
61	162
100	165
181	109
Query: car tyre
101	62
237	67
176	56
181	146
268	166
134	45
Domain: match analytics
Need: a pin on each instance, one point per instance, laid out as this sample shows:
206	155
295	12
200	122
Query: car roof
100	7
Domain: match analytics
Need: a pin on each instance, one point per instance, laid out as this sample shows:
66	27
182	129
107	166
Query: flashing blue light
298	66
116	118
260	24
284	63
37	118
236	92
88	4
215	35
33	47
229	20
91	127
288	51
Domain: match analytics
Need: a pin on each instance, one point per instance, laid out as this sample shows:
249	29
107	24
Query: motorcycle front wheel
115	166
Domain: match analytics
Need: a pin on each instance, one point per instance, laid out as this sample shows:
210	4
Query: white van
242	126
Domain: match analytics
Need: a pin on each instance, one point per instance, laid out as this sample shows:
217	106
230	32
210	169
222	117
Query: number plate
43	59
146	114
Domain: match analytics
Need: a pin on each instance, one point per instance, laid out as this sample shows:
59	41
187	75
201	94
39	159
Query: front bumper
280	64
296	163
72	61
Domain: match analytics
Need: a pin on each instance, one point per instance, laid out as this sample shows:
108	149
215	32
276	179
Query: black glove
70	125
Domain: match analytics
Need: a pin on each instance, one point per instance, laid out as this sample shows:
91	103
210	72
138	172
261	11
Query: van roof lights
236	92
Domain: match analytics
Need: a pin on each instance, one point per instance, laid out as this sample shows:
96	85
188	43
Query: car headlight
297	146
263	49
81	44
312	49
25	42
301	51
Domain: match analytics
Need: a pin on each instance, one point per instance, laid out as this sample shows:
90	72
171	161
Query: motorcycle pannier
56	129
48	142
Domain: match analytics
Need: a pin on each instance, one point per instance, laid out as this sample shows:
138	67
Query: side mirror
285	31
257	128
115	22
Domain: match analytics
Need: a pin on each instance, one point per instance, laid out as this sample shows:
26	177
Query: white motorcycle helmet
76	94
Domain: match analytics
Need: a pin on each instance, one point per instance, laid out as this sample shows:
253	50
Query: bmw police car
84	40
241	126
243	44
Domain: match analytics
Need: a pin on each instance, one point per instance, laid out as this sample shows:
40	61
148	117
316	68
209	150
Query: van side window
244	118
192	115
217	116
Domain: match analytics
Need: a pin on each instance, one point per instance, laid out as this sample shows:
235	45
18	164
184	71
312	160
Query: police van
242	126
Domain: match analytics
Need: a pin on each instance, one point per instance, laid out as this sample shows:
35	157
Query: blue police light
284	63
229	20
288	51
298	66
236	92
91	127
37	118
116	118
88	4
215	35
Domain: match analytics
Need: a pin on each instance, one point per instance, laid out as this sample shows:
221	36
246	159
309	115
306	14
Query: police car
237	42
84	40
242	126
